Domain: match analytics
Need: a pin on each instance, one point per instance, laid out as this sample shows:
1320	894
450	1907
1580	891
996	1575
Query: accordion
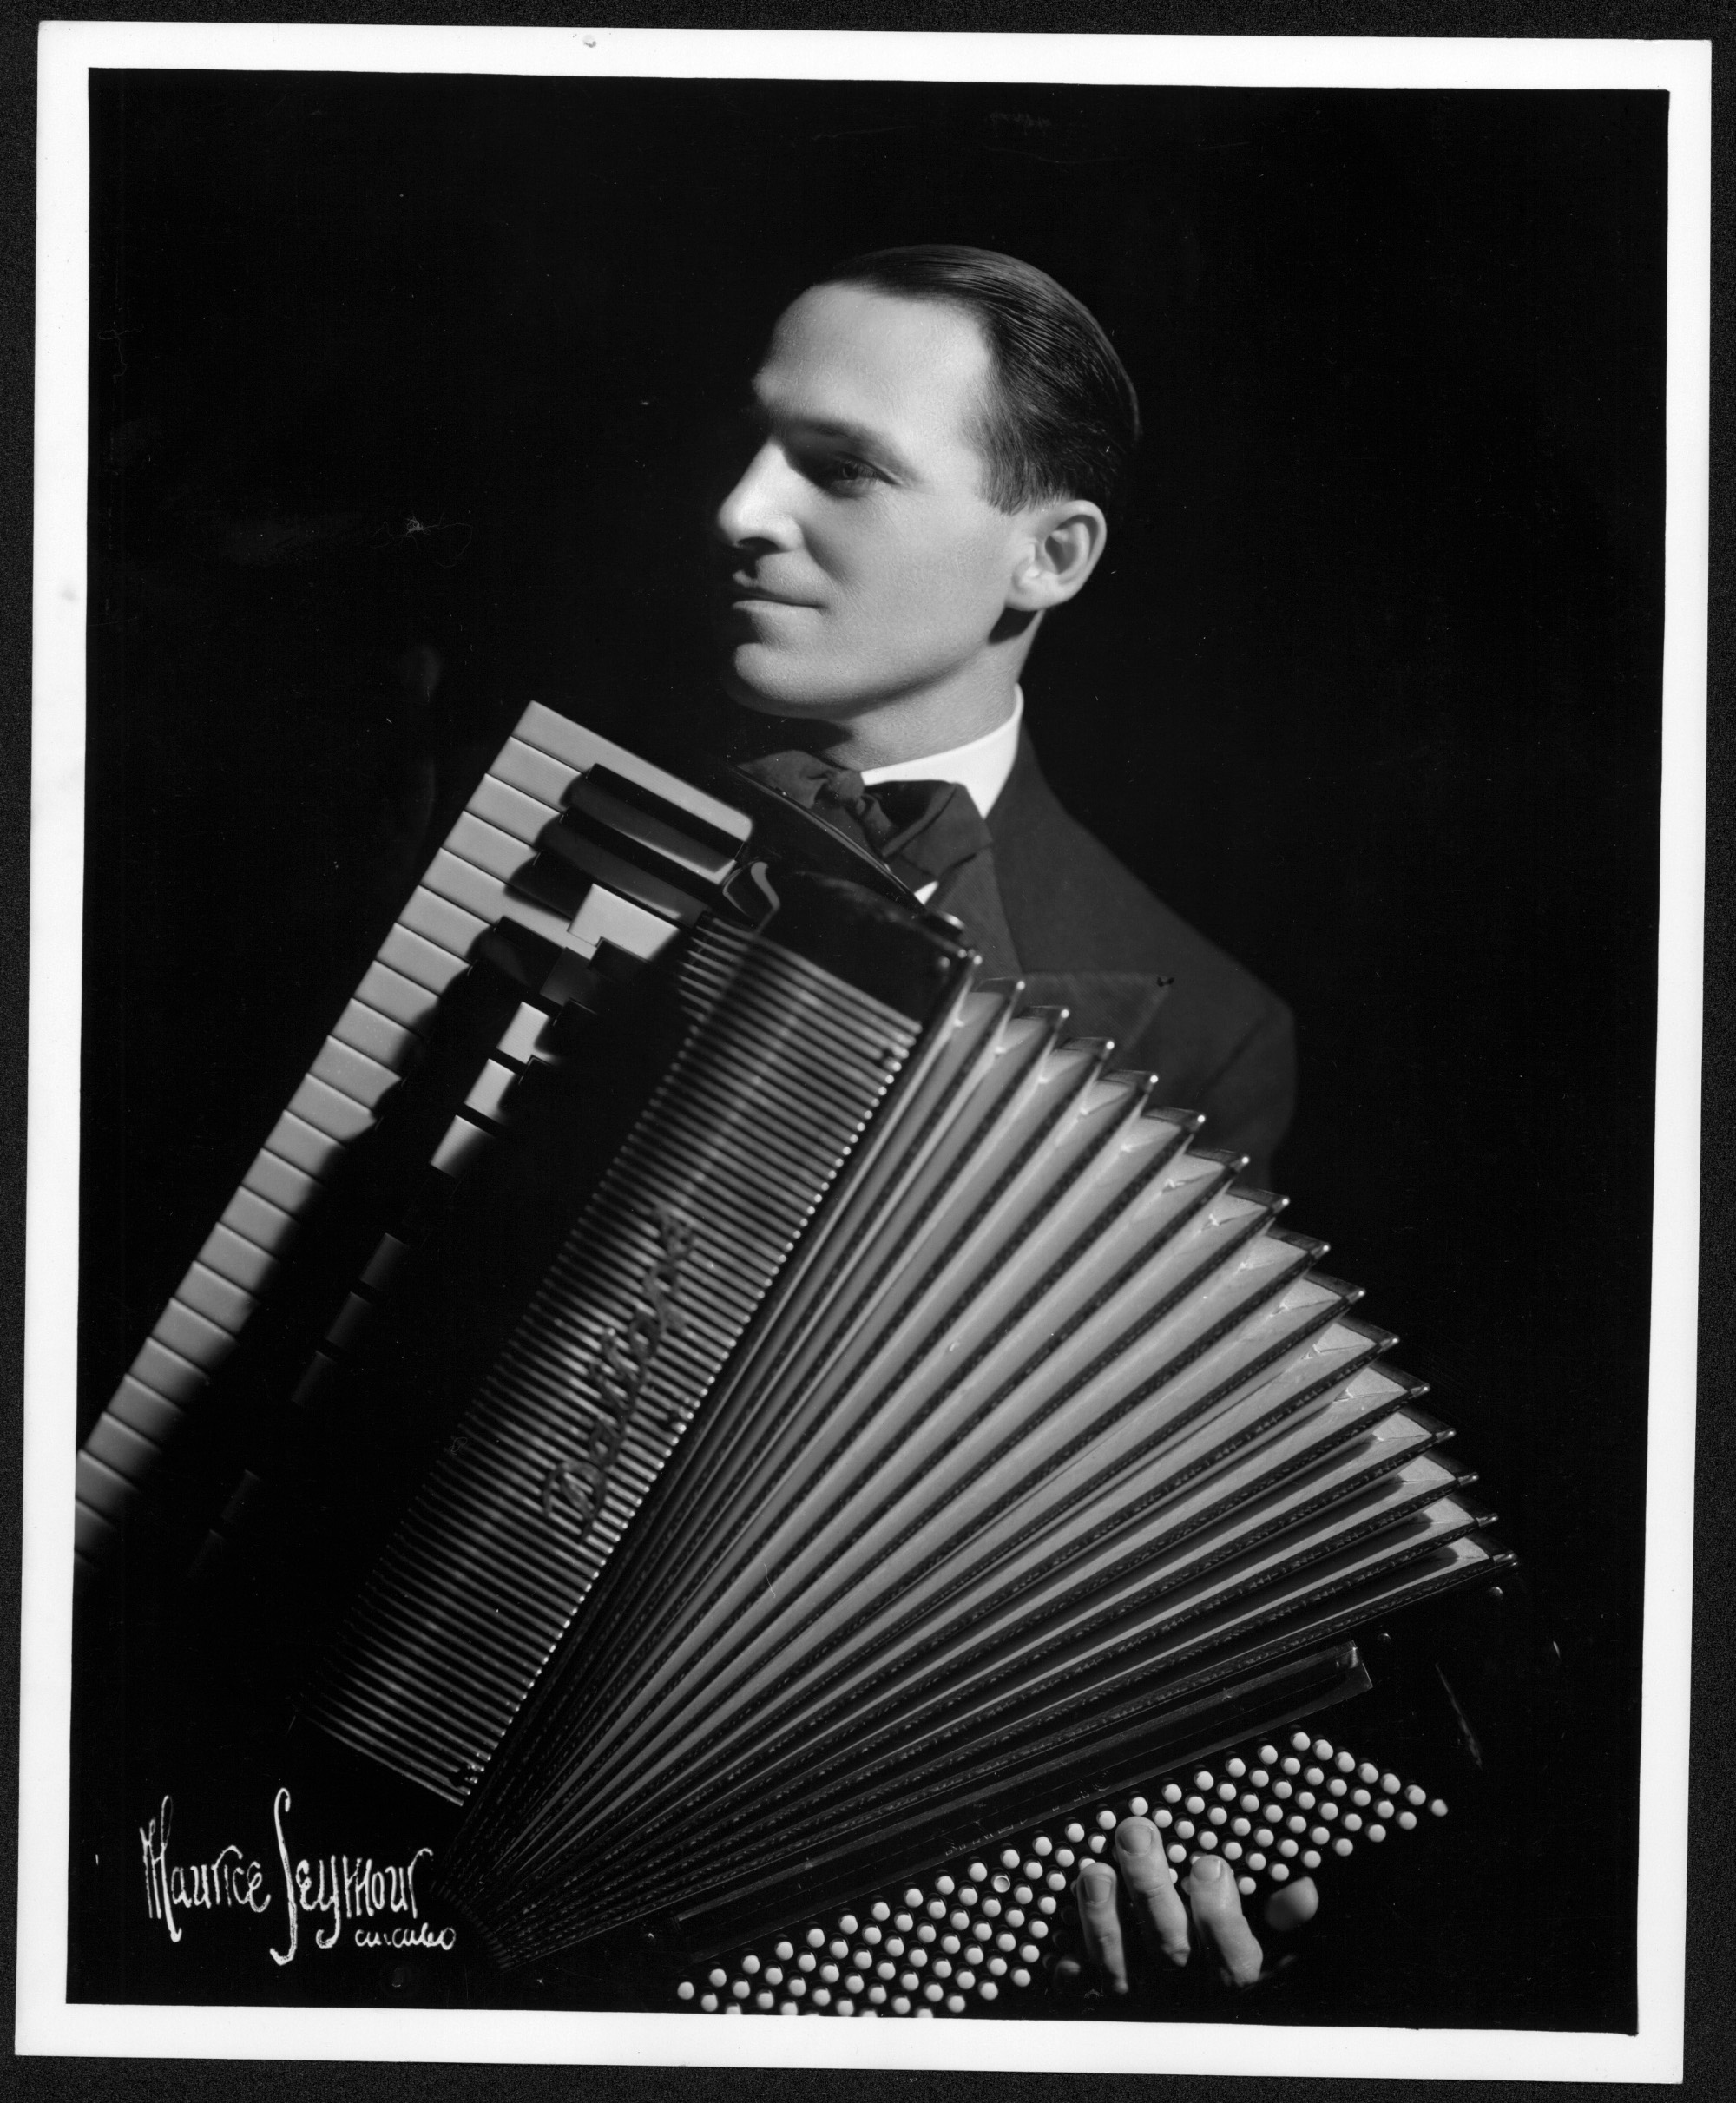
773	1406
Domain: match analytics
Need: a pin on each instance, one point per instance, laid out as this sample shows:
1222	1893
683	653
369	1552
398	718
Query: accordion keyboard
976	1935
567	837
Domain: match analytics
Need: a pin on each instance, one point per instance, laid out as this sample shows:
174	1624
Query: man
942	435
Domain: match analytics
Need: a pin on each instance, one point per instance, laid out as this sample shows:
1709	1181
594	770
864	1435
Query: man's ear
1065	545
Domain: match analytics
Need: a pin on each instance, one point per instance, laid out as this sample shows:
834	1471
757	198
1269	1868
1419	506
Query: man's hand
1161	1906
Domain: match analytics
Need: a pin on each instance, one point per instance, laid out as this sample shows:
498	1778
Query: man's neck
920	724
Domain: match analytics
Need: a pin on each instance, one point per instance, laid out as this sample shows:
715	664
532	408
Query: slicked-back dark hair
1062	418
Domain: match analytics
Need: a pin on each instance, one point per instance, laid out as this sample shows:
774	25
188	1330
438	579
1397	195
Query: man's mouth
744	591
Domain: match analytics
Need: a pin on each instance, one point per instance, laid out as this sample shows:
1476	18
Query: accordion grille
781	1068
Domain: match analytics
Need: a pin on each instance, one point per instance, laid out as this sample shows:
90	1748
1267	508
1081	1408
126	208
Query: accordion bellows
915	1426
1055	1417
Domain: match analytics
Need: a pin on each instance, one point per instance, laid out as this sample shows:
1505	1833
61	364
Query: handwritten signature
377	1902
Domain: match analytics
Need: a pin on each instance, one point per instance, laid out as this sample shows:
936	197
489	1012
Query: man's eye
844	471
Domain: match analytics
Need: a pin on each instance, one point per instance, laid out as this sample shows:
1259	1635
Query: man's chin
770	690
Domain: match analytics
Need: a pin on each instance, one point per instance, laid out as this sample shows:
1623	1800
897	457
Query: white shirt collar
982	765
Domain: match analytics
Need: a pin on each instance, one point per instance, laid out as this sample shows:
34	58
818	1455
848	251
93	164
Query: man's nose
757	510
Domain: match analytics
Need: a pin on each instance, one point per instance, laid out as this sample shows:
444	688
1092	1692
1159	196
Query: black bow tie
921	830
925	831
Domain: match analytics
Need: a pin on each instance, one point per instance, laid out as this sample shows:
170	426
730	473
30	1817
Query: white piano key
463	1143
167	1373
384	1262
107	1493
267	1225
127	1452
338	1116
351	1319
319	1366
603	918
521	1039
447	926
462	883
583	749
142	1410
475	891
377	1036
93	1537
181	1330
215	1298
509	809
493	1085
354	1074
427	964
237	1259
533	773
401	999
501	854
308	1147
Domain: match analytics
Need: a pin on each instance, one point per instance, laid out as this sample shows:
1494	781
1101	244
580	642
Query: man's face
863	563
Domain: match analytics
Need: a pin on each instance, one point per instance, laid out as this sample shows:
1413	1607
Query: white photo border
46	2021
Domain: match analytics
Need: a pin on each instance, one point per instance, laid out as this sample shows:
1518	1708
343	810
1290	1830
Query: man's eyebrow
839	431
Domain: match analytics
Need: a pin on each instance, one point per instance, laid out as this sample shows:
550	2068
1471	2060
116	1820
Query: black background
1369	689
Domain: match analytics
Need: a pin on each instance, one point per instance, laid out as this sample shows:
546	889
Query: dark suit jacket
1090	937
